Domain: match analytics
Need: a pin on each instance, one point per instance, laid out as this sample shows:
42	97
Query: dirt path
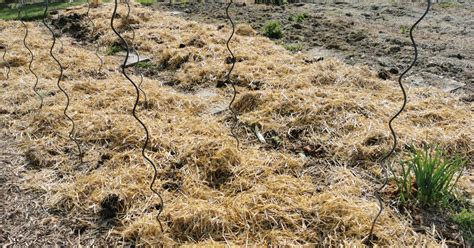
372	35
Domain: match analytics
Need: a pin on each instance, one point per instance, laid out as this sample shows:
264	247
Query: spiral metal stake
31	54
135	50
368	241
61	69
6	62
137	91
97	46
61	49
231	108
145	101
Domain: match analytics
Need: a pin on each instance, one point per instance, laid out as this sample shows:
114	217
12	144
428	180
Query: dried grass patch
215	194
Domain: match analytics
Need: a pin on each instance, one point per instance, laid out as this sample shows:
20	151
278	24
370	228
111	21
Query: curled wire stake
31	54
141	78
61	49
6	62
101	61
136	52
141	74
394	135
147	137
61	69
234	113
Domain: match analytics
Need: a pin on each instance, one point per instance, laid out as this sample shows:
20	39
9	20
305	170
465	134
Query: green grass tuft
35	10
428	177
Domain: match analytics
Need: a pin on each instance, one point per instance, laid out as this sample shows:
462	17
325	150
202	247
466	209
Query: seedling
293	47
114	48
404	29
273	29
302	17
465	221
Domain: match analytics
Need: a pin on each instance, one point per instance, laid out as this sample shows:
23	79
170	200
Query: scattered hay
15	61
176	61
245	30
36	159
195	41
319	119
201	222
247	102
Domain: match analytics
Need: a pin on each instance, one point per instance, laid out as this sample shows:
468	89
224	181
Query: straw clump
319	120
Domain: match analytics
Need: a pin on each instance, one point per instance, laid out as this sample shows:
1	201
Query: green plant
404	29
114	48
300	17
147	2
465	221
293	47
273	29
449	4
428	177
145	65
35	10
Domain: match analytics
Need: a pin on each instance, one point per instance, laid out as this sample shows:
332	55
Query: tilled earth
376	35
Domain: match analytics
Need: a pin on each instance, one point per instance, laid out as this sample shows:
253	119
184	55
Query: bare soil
376	35
26	220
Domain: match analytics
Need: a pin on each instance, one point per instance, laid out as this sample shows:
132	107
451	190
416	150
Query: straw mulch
311	182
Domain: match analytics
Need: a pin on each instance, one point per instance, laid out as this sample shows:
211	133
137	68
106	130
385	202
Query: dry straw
324	124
